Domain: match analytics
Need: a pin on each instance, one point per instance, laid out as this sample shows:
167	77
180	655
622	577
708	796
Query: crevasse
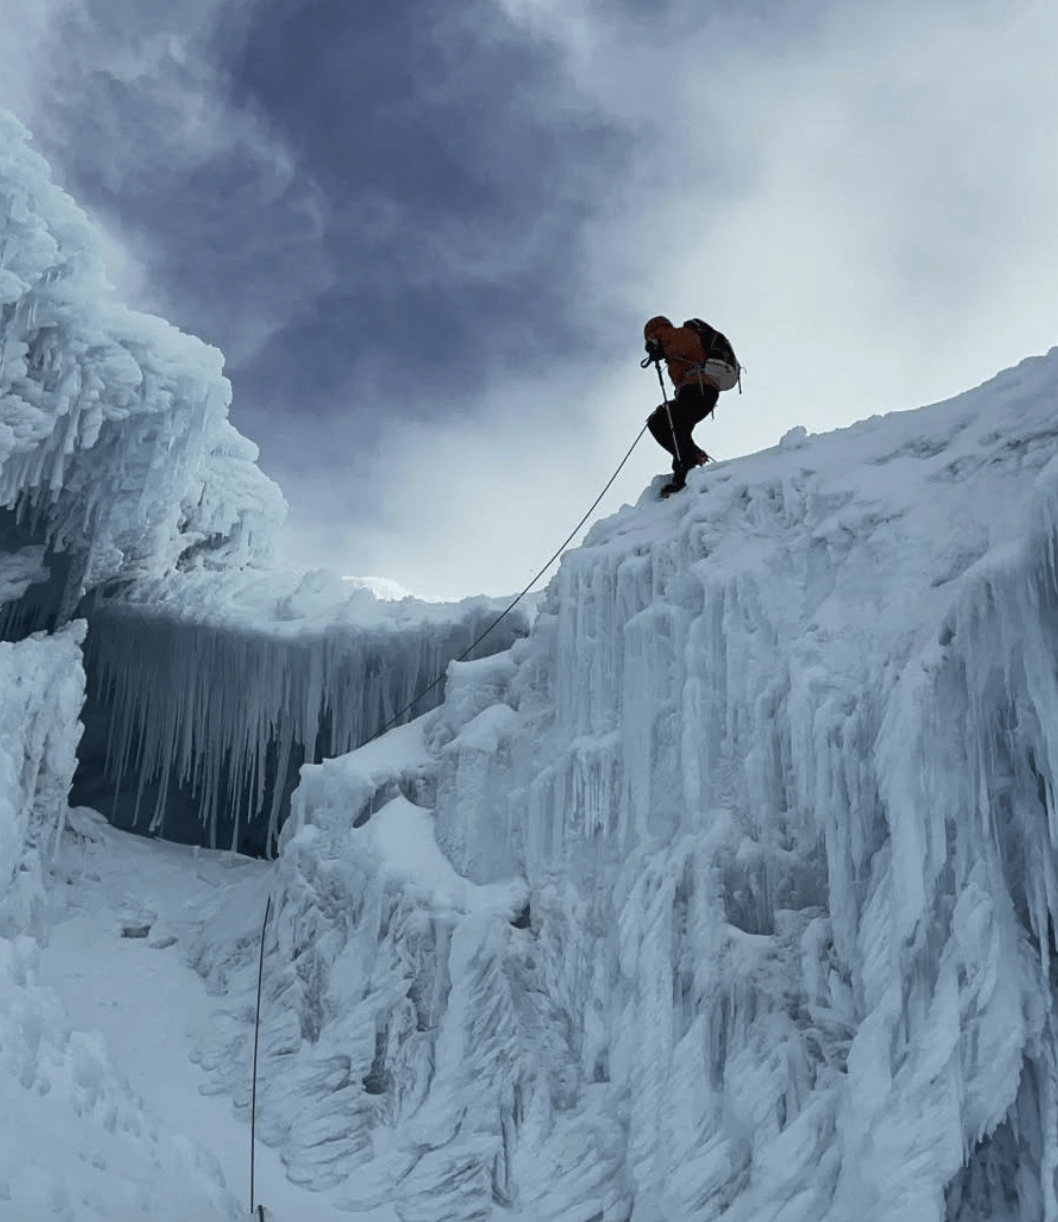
755	835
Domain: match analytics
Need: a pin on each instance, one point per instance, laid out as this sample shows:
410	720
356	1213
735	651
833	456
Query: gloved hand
655	352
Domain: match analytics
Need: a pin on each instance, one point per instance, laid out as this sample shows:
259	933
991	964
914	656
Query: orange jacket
682	347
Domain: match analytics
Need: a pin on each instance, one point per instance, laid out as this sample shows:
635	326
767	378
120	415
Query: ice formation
117	459
755	841
42	682
126	495
75	1141
117	462
211	690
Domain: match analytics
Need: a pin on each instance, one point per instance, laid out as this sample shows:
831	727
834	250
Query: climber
701	363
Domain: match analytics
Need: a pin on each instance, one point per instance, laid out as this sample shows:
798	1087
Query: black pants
691	406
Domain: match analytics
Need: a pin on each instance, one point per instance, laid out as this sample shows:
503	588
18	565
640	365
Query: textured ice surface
757	838
211	677
115	448
213	688
41	692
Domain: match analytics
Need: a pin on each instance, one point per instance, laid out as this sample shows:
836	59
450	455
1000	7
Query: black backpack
720	364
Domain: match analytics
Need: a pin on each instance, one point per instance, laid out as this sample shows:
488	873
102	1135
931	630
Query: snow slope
755	841
125	910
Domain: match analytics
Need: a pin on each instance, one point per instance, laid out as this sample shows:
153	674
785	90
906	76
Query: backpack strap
711	339
701	329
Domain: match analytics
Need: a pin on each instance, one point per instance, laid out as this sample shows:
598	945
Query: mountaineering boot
678	481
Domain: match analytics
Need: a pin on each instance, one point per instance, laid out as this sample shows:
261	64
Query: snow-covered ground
125	911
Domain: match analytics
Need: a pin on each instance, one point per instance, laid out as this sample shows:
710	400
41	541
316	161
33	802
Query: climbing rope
507	610
256	1034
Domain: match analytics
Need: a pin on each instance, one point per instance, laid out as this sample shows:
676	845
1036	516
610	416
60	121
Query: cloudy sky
427	235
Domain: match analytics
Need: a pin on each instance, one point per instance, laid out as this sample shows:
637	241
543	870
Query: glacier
720	884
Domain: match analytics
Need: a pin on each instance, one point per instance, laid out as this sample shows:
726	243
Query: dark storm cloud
131	112
368	208
456	182
348	173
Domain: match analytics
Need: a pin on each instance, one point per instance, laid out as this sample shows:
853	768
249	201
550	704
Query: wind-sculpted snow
212	689
115	446
41	692
756	837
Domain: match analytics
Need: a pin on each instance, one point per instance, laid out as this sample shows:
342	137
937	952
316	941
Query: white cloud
896	189
469	502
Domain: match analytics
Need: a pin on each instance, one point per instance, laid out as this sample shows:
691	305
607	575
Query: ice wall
210	690
116	455
754	847
210	677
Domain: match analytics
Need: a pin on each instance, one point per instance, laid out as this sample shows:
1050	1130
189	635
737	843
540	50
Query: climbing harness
507	610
